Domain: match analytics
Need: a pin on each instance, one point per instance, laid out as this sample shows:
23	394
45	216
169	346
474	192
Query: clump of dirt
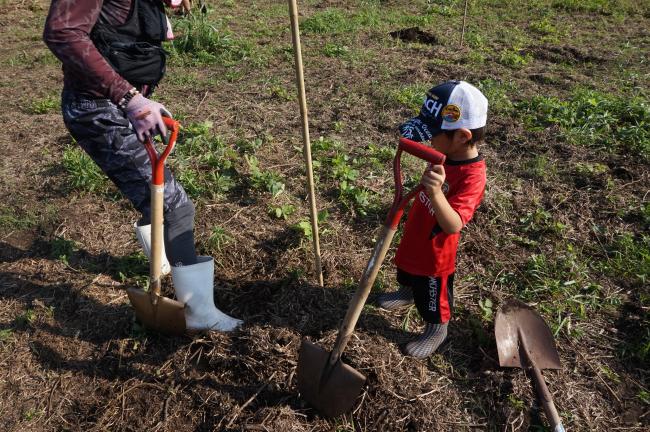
566	54
415	34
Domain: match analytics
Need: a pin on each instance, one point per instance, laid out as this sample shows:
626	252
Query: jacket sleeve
67	35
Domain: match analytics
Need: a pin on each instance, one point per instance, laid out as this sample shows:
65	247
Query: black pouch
138	62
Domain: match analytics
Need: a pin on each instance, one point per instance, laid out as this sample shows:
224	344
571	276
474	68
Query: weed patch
11	219
206	165
594	119
83	174
563	288
629	257
203	41
47	105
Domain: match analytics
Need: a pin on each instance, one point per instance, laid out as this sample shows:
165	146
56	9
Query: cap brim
416	130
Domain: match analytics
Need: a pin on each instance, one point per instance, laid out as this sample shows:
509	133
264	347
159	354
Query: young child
453	118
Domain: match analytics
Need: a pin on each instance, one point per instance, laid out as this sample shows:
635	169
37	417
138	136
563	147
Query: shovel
151	309
324	381
522	334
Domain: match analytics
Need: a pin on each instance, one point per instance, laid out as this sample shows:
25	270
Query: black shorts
434	296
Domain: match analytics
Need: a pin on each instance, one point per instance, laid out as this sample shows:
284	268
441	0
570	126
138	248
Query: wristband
127	98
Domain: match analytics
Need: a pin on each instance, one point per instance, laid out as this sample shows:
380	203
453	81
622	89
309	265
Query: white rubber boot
143	233
194	286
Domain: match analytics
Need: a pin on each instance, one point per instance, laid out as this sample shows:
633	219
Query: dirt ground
72	357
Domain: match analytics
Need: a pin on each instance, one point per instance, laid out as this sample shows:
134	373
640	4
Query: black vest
133	48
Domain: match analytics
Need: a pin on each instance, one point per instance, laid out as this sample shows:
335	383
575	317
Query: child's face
451	144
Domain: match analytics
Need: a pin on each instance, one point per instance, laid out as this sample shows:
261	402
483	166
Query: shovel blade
167	316
332	391
516	320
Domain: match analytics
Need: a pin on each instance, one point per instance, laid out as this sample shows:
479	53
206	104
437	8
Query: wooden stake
300	82
462	35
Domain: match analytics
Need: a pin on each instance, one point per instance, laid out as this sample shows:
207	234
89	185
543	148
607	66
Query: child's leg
400	298
434	300
396	299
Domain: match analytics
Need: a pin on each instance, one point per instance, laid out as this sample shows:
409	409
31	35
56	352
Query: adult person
112	60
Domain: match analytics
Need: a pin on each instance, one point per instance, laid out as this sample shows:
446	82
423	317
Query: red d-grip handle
400	200
422	151
158	161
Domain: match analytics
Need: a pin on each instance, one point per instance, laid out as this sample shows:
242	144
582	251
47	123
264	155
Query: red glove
146	117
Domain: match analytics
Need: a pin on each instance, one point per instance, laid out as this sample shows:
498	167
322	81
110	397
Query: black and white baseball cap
448	106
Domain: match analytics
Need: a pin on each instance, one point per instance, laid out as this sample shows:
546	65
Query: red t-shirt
425	249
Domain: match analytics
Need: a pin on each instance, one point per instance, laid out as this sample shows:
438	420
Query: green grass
606	7
594	119
412	96
50	104
374	15
629	257
6	335
562	285
204	41
10	218
218	239
82	173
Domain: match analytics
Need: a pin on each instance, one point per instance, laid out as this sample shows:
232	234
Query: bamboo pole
300	83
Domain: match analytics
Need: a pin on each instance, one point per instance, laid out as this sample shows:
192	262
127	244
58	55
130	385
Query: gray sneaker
428	342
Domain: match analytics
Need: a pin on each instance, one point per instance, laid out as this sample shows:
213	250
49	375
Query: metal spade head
516	320
332	390
158	313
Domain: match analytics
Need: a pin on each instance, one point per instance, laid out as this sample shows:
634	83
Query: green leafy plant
26	318
412	96
205	164
486	309
282	212
514	59
62	249
540	221
264	180
218	238
304	226
335	50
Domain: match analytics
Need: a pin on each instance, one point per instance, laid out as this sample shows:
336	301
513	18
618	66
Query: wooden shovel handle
361	295
157	202
546	399
542	390
155	272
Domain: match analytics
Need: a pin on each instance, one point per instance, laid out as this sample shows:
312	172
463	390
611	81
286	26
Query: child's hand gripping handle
418	150
422	151
158	161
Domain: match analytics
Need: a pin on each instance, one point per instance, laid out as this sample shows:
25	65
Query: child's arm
448	219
